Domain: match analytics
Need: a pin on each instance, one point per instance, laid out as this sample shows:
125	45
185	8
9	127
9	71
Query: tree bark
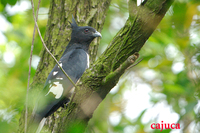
103	73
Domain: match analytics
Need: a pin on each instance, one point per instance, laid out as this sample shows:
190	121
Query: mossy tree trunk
103	73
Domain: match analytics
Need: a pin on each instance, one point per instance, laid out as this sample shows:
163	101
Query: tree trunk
103	73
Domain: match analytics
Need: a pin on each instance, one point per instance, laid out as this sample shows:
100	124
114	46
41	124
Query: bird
74	61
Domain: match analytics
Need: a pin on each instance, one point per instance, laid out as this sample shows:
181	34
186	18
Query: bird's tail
41	125
35	122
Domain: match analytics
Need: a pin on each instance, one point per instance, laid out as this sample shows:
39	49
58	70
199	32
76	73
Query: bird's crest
73	24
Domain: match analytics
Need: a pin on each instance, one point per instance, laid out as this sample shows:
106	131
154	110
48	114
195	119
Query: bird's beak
97	34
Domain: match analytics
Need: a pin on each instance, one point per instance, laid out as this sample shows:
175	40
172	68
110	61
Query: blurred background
165	86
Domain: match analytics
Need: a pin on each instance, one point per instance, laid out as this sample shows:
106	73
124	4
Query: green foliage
170	67
10	2
14	57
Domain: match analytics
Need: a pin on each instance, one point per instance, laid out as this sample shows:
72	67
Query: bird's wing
57	86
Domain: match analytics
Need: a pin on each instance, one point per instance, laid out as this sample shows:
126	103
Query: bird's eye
86	30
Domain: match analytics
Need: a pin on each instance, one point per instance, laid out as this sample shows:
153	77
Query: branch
114	76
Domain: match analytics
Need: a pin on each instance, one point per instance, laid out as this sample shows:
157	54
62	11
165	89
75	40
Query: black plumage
75	60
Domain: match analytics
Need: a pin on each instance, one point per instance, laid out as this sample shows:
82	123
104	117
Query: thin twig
134	64
29	73
47	48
